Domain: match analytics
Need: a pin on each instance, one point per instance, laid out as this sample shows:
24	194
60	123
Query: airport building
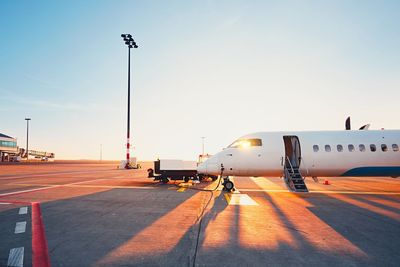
9	151
8	147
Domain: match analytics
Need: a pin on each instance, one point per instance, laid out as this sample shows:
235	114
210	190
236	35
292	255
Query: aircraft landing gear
228	184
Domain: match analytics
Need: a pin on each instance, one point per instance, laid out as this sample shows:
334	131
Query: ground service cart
173	169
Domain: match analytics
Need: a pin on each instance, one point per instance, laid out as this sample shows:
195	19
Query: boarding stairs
293	178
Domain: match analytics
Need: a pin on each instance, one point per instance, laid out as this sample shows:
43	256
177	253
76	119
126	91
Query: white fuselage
319	153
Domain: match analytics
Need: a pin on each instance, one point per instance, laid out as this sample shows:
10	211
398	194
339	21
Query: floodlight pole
203	137
27	138
129	106
131	44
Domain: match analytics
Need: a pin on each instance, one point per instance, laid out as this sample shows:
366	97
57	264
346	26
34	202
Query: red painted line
40	252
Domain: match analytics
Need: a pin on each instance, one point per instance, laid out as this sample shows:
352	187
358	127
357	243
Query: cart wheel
165	180
228	186
186	179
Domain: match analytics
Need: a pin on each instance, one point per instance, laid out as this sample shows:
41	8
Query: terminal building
9	151
8	147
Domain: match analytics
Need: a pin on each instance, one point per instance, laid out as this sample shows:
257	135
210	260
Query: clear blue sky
218	69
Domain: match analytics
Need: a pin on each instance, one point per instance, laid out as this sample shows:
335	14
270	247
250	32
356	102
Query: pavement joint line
20	227
16	257
23	210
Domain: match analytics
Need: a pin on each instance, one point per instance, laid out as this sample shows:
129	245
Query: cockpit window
246	143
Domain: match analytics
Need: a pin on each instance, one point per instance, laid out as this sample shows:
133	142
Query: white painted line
240	199
23	176
20	227
4	203
25	191
16	257
23	210
89	186
87	181
322	192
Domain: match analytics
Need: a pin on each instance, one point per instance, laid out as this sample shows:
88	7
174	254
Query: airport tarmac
90	214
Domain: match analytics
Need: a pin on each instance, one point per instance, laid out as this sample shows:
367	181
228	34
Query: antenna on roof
348	123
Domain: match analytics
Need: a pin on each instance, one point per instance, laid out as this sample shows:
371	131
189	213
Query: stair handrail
291	166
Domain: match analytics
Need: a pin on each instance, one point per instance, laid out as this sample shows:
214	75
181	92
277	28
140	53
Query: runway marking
23	210
322	192
20	227
16	257
240	199
182	189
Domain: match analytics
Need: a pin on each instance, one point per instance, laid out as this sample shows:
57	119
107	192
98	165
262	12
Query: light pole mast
27	137
203	137
131	44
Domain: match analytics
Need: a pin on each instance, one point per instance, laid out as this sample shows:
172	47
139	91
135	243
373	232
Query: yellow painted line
182	189
228	198
240	199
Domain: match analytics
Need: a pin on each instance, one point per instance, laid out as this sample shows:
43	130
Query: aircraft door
292	151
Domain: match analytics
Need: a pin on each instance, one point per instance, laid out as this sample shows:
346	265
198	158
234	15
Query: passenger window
384	148
372	147
327	148
351	148
395	147
362	148
315	148
339	148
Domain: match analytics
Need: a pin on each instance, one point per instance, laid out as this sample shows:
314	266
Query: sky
218	69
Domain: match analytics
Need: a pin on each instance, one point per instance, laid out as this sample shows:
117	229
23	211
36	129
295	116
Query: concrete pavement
97	215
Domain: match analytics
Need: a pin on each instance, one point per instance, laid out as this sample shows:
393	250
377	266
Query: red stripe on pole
40	252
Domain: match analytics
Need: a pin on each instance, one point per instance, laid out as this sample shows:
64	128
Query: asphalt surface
98	215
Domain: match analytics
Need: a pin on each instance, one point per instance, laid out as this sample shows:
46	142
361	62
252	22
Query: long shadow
376	204
195	236
102	229
85	230
375	234
303	249
392	202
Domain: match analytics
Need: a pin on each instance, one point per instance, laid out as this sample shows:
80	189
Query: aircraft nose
202	168
210	166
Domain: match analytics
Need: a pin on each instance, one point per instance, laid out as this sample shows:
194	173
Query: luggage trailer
171	169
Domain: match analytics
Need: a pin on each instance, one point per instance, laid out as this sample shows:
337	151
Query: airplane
296	155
